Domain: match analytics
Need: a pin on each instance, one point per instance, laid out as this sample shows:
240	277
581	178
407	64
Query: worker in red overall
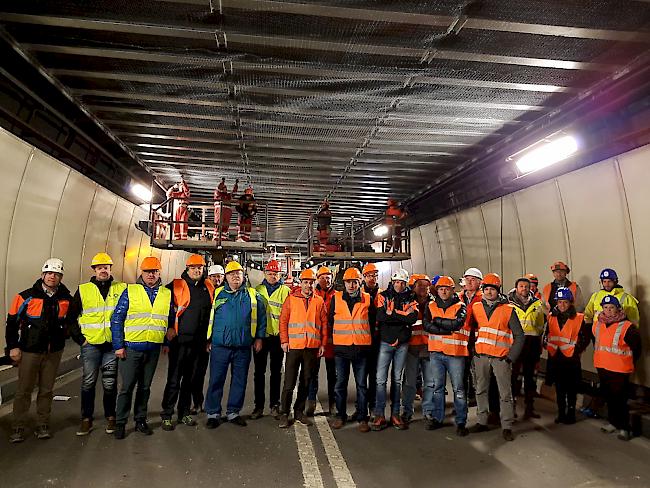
223	209
246	208
392	219
180	193
324	220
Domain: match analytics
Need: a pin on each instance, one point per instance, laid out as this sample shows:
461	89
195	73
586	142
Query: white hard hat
53	265
475	272
400	275
216	269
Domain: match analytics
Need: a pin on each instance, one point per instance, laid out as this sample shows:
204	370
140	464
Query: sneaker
397	422
167	425
187	420
477	428
275	412
507	435
310	409
143	428
238	421
120	431
284	421
432	424
338	423
258	413
213	423
378	423
608	429
110	425
17	436
624	435
461	430
364	427
42	432
85	427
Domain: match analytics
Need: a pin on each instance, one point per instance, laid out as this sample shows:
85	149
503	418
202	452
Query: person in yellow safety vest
560	280
185	343
532	318
90	315
610	286
139	323
303	333
237	324
499	341
274	293
617	346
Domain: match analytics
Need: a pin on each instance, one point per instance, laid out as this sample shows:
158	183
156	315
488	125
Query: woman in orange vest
617	345
565	340
303	334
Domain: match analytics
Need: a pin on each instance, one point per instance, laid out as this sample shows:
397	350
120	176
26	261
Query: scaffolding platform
195	245
367	257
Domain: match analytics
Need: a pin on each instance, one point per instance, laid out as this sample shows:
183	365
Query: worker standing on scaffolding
180	193
222	209
246	208
393	220
324	221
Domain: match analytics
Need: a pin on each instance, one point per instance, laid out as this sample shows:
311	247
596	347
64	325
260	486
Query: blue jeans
93	359
441	364
238	359
415	363
390	354
358	362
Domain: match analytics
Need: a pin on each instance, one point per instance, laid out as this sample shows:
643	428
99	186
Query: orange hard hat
248	191
417	277
352	274
560	266
369	268
149	263
532	278
308	274
446	281
273	266
491	279
323	270
195	260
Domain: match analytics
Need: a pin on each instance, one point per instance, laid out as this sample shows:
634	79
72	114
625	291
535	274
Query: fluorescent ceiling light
380	230
546	153
141	192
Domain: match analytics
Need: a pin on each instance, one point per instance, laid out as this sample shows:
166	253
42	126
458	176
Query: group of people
482	338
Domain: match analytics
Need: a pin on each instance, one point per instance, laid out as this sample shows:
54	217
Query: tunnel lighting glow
141	192
380	230
546	153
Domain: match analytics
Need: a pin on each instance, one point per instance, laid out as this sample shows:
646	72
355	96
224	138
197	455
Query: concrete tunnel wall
592	218
48	209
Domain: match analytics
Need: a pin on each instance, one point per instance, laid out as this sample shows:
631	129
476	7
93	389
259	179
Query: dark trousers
199	377
526	365
357	360
181	371
272	348
614	387
96	358
567	377
137	369
303	362
222	358
371	373
330	367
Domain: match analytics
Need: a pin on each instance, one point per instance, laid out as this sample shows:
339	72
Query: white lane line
342	475
310	472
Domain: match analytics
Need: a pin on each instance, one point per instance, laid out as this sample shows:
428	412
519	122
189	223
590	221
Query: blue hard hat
435	280
608	274
610	300
563	293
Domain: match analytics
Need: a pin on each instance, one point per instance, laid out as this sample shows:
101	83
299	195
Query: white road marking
342	475
310	472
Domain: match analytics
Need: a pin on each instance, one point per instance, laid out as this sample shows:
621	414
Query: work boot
432	424
142	427
378	423
478	428
338	423
258	413
461	430
213	423
275	412
364	427
302	418
110	425
624	435
397	422
85	427
407	419
17	436
187	420
42	432
284	421
310	409
507	435
167	425
120	431
238	421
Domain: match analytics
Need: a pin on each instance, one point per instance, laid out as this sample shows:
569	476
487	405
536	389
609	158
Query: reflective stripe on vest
351	329
182	296
564	339
419	336
217	302
611	352
303	331
494	337
146	322
454	344
95	318
273	306
532	319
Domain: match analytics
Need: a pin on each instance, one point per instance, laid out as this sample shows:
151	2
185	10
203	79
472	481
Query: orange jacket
181	292
303	321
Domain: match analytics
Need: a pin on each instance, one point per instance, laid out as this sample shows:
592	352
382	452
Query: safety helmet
308	274
53	265
445	281
560	266
323	270
532	278
610	300
195	260
475	272
369	268
563	293
435	280
248	191
101	258
391	202
233	266
417	277
400	275
149	263
492	279
608	274
215	269
272	266
351	274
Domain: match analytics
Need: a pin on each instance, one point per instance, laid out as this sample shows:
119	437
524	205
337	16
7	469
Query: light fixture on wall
142	192
380	230
546	152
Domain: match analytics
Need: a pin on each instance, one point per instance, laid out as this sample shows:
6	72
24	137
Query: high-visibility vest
95	318
182	296
454	344
546	293
351	328
146	322
304	333
532	319
494	336
217	302
273	306
419	336
611	352
564	339
629	304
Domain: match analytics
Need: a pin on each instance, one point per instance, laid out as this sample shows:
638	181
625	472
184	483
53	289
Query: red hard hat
273	266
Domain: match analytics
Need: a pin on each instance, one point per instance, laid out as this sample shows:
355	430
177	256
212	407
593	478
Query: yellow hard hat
233	266
101	258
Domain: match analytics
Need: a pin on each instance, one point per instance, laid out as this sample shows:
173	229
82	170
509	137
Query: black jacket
36	322
443	326
396	327
193	322
76	307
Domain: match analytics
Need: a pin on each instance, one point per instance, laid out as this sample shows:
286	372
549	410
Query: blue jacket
231	325
119	316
